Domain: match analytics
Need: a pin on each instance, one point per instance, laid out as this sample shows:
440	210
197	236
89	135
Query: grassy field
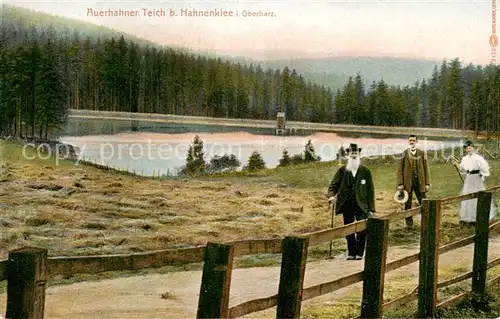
78	210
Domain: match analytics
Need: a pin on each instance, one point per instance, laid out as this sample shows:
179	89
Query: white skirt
473	183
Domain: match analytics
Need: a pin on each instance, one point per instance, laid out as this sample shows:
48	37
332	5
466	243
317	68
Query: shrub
255	162
310	153
222	163
285	159
297	159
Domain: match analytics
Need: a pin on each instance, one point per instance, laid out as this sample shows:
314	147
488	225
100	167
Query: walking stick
453	158
331	226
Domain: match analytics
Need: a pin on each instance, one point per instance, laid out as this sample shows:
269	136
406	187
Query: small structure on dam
280	123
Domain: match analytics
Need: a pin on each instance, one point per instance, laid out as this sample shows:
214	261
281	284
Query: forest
46	69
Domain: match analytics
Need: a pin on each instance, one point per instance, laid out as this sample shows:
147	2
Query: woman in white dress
474	168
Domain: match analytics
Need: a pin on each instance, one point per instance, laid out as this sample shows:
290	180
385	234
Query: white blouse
474	162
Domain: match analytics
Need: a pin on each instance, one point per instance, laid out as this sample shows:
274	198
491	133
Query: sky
419	29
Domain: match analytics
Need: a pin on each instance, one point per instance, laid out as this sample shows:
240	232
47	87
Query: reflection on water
152	152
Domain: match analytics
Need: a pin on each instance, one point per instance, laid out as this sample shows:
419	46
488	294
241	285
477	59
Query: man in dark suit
413	175
353	193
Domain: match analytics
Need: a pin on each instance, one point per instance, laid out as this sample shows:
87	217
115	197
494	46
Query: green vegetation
308	156
255	162
46	69
115	74
310	153
223	163
195	159
28	19
335	72
285	159
196	164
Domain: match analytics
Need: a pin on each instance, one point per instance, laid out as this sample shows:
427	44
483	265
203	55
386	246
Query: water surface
164	153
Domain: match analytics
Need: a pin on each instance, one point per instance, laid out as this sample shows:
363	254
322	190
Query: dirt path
140	297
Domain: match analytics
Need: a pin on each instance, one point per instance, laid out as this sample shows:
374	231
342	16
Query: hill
29	19
330	72
335	72
13	15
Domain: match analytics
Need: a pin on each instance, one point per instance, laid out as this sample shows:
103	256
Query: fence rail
431	260
71	265
446	200
328	287
96	264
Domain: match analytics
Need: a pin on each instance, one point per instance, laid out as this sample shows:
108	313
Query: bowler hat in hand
401	196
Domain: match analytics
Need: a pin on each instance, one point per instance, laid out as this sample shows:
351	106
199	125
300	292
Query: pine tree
195	161
53	110
424	106
255	162
360	112
434	99
455	94
310	153
338	109
285	159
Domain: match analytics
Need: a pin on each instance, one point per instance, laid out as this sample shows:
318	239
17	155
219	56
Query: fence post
216	281
377	230
26	275
480	264
429	256
293	268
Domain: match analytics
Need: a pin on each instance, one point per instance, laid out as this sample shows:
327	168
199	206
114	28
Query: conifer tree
310	153
285	159
195	160
255	162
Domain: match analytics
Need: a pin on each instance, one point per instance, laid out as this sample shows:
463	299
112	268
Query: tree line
454	96
44	71
115	74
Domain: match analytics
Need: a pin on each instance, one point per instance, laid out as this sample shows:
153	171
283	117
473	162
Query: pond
165	153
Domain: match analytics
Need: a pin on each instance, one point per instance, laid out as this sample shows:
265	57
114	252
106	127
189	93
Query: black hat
468	143
353	148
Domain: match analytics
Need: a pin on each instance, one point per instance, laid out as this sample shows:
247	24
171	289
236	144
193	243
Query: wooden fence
28	268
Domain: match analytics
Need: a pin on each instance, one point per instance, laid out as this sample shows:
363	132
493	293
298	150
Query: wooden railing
291	291
27	268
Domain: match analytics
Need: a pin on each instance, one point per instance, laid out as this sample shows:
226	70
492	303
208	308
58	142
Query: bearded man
353	193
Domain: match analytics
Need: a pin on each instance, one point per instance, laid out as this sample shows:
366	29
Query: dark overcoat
364	189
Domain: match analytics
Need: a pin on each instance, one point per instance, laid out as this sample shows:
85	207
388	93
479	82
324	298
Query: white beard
353	164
